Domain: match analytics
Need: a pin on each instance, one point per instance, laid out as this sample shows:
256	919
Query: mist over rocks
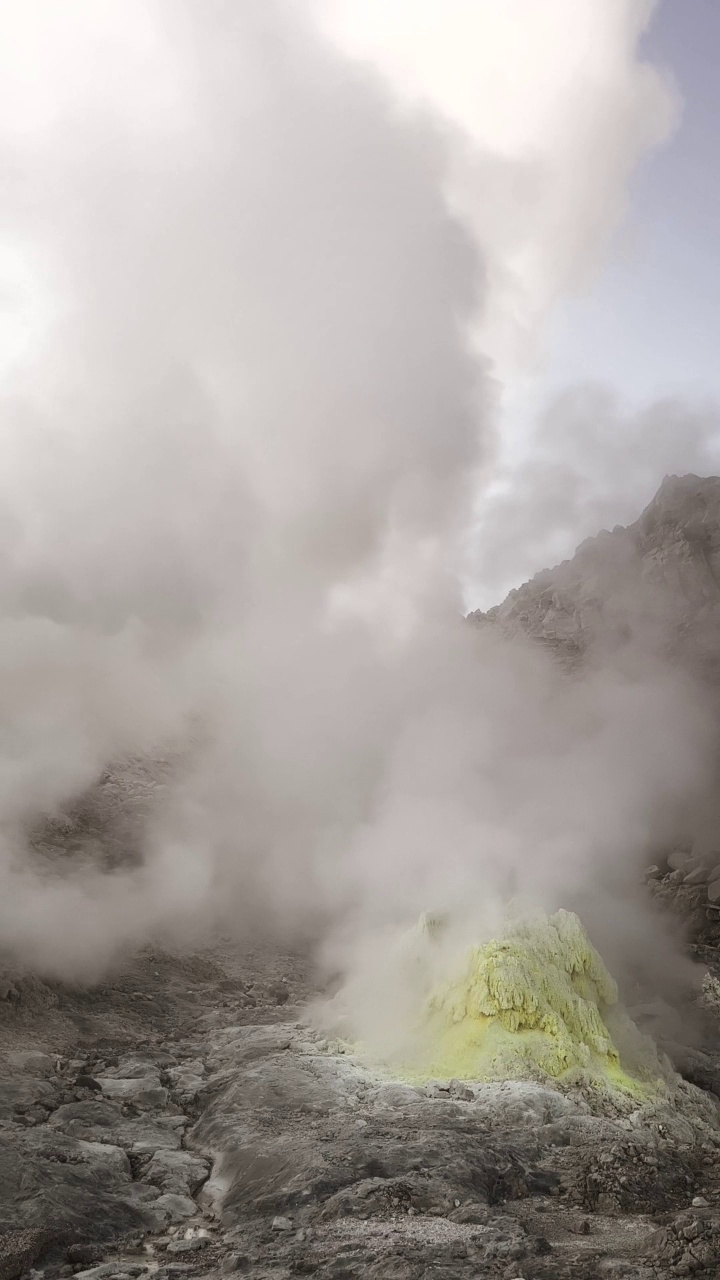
636	596
653	586
269	276
265	289
205	1137
630	625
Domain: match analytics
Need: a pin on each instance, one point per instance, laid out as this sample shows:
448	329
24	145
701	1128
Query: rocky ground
185	1119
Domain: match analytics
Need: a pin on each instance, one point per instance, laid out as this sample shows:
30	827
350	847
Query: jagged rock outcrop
655	584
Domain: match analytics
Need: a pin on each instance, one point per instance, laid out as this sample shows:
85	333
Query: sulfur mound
534	1004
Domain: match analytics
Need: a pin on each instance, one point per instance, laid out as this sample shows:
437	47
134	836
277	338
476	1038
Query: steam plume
242	433
590	464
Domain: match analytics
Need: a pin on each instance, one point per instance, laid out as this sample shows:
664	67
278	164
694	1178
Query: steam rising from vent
243	421
589	465
555	108
535	1002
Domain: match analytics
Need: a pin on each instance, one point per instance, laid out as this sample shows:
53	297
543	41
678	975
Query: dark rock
31	1062
47	1174
698	876
194	1245
85	1253
176	1171
172	1208
145	1092
17	1095
36	1115
234	1262
88	1115
23	1248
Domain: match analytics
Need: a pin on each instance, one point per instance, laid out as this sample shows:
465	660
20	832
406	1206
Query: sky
650	323
592	188
642	335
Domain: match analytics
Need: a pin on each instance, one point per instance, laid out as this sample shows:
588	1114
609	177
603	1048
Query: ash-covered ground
185	1118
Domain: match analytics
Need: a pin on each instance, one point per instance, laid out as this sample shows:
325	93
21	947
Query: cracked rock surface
210	1130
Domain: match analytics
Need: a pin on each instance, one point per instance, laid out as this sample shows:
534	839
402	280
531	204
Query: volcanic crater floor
186	1120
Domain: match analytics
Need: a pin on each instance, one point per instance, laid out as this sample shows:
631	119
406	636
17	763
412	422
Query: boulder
47	1177
179	1172
679	860
698	876
31	1061
172	1209
143	1091
17	1095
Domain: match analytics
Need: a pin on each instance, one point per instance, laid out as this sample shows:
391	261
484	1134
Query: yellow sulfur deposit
529	1005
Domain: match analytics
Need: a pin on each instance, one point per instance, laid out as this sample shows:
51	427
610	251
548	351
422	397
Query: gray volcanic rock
656	582
178	1172
47	1178
313	1135
104	827
298	1157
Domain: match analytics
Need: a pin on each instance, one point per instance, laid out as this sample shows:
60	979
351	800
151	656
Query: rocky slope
655	583
650	590
186	1119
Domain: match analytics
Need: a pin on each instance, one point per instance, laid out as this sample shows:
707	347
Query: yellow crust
529	1005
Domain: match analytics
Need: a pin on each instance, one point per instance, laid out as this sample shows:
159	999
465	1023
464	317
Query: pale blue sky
648	330
652	322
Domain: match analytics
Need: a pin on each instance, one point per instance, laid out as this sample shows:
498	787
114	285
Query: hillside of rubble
655	583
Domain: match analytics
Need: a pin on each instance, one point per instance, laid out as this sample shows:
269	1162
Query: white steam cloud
589	464
243	419
553	106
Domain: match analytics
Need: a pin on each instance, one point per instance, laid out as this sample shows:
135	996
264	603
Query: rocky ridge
651	589
655	583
